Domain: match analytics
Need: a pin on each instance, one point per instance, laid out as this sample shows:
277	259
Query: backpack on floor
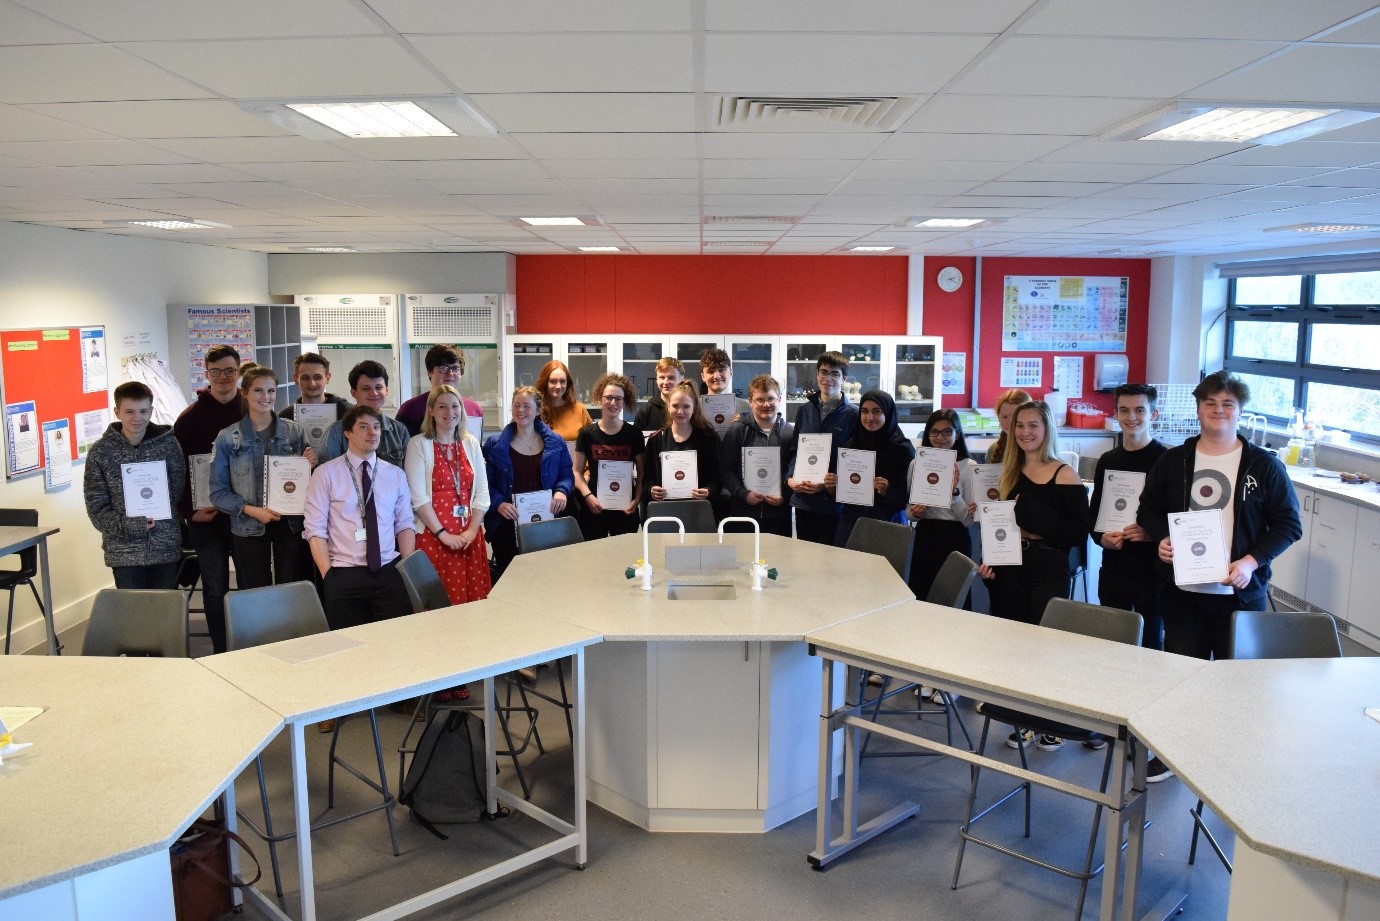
445	782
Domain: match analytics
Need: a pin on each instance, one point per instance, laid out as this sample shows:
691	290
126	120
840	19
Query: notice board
55	375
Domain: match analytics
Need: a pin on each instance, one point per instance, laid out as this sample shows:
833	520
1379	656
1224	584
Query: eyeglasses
448	369
222	372
760	401
941	433
612	399
831	375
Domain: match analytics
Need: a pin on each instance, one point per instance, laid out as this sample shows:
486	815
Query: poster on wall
954	373
1070	313
57	440
1068	375
93	355
90	427
208	327
1022	372
22	433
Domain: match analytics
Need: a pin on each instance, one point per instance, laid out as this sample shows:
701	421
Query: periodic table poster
1071	313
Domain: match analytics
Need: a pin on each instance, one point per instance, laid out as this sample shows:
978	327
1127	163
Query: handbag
201	871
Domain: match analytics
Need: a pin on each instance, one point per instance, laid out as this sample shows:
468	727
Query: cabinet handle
1317	504
1305	504
747	653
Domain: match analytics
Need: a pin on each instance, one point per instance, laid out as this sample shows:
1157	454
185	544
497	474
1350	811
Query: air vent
350	319
810	113
452	317
748	219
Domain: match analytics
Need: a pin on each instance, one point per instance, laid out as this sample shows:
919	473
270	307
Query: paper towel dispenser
1109	371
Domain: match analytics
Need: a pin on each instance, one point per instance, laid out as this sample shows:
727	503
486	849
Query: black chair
1074	617
189	581
137	622
548	535
426	592
1270	635
696	514
11	579
257	616
886	539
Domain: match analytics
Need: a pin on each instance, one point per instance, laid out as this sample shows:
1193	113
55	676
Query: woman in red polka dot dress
450	494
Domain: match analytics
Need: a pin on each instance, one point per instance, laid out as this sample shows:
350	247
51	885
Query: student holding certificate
142	552
450	494
879	433
688	432
940	529
610	451
526	458
266	545
761	430
825	412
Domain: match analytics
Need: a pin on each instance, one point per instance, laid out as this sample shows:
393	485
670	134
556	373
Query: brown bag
201	871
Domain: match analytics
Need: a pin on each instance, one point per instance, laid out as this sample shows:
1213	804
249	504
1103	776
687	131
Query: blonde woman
1006	408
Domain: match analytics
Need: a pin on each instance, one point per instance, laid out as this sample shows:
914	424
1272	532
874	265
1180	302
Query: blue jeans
211	541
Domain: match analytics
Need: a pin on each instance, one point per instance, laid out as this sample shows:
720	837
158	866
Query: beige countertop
1282	752
817	586
128	752
399	658
1366	495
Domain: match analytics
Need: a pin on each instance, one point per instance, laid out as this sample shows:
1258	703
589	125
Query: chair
11	579
257	616
1078	567
954	581
188	580
1087	468
1073	617
697	515
887	539
426	592
1270	635
548	535
137	622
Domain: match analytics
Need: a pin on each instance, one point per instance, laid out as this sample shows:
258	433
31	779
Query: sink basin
699	591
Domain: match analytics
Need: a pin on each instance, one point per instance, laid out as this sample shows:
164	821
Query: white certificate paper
1001	536
680	473
812	457
316	420
721	409
1200	546
932	477
762	470
200	467
615	485
1119	500
857	470
146	490
533	506
983	485
285	484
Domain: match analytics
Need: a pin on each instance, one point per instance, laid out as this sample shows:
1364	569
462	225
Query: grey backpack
445	782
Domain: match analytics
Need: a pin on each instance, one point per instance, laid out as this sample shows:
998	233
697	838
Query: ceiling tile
457	148
784	146
252	150
1302	74
89	153
769	186
323	170
184	20
560	63
1187	19
916	16
79	73
973	170
162	118
597	112
18	124
966	114
185	172
1091	150
533	16
429	170
620	146
831	170
971	146
623	169
25	27
821	65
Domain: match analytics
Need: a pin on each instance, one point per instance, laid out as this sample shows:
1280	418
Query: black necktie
371	522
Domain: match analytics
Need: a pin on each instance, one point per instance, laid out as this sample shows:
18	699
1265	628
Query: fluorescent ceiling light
553	221
600	249
172	224
1324	228
946	221
1237	123
331	249
870	249
360	118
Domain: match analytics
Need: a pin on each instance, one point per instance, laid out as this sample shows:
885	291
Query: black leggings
1021	592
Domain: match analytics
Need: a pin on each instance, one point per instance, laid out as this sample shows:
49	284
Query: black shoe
1096	743
1156	770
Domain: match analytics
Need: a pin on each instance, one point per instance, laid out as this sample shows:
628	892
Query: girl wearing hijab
877	431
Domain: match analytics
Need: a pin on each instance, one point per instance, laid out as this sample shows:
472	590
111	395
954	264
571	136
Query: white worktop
1281	751
816	586
1363	494
127	754
400	658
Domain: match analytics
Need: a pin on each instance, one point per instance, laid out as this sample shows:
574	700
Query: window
1309	341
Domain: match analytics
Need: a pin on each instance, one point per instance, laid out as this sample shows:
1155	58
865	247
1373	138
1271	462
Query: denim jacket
237	470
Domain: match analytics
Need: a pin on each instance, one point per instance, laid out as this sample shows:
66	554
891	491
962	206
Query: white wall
391	273
59	277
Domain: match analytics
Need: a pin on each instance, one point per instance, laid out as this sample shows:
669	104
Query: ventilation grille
350	324
748	219
452	318
810	113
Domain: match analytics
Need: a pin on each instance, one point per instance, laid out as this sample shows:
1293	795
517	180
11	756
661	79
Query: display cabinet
914	379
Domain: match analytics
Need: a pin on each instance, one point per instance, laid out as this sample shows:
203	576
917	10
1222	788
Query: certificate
812	457
316	420
762	470
199	465
146	490
1119	500
615	485
932	477
984	485
1200	547
285	484
721	409
857	470
680	473
1001	536
533	506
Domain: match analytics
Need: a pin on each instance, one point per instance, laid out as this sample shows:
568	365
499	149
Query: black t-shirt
1134	557
596	445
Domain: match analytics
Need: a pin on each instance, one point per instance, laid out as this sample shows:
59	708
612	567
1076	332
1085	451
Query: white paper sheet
812	457
316	420
1001	536
721	409
983	485
146	490
1200	546
857	469
57	453
762	470
1119	500
533	506
932	477
200	467
680	474
285	484
615	485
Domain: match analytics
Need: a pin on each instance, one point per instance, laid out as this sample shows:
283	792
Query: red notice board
55	384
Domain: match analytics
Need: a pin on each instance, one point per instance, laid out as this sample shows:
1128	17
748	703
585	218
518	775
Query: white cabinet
903	366
1364	607
1329	553
1289	570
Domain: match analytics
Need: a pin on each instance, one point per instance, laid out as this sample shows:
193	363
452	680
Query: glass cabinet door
588	360
916	377
690	350
639	366
864	367
749	360
800	373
